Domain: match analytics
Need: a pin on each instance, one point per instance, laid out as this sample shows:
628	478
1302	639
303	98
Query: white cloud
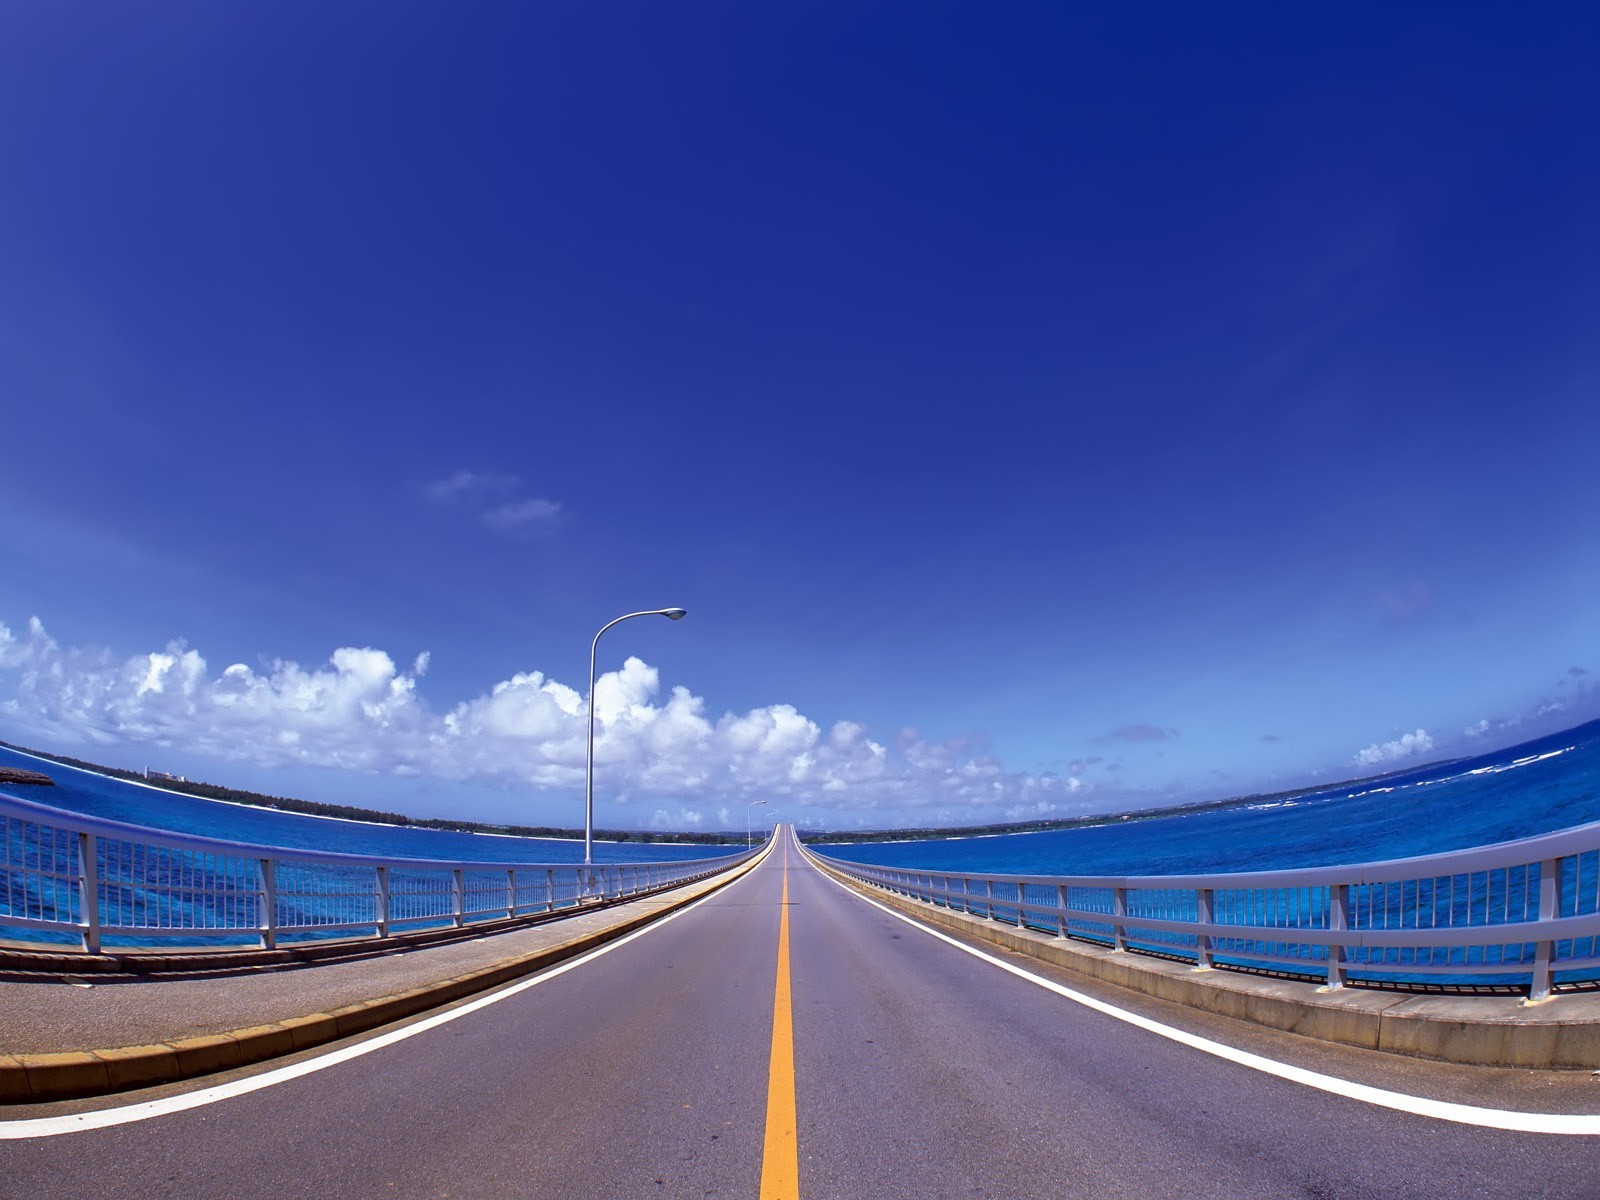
521	514
494	497
684	818
359	711
470	485
1408	745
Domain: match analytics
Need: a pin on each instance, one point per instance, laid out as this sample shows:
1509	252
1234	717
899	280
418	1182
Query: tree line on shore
351	812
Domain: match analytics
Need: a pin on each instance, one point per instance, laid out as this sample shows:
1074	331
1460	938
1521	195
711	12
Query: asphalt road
917	1071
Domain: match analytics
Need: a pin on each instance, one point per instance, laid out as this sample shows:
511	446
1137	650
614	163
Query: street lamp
672	614
747	809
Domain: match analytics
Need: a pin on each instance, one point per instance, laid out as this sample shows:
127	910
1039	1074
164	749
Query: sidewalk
68	1030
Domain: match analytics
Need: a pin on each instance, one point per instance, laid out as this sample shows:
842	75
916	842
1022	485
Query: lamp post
747	809
672	614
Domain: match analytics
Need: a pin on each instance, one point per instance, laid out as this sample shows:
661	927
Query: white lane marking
1585	1124
37	1127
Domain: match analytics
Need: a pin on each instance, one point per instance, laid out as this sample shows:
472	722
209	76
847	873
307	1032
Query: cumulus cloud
1409	745
360	711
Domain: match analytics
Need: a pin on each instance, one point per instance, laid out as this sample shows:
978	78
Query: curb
77	1074
1493	1031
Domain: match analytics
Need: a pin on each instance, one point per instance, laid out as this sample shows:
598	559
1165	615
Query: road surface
787	1037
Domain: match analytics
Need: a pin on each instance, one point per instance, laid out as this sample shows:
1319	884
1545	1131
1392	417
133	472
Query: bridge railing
93	879
1524	912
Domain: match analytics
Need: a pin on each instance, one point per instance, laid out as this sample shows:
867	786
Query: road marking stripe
1582	1124
780	1156
35	1127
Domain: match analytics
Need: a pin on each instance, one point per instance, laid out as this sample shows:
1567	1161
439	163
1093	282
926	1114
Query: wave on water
1497	768
1471	801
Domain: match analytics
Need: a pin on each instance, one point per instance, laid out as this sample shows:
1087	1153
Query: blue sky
1039	410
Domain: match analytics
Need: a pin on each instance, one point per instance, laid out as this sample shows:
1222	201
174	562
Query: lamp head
675	614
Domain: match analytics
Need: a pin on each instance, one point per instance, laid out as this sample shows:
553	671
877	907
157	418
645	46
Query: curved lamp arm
672	614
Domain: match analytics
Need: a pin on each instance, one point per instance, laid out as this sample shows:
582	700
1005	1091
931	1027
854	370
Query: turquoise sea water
137	804
1551	783
1536	787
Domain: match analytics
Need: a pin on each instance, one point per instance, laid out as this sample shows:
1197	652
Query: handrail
89	877
1518	911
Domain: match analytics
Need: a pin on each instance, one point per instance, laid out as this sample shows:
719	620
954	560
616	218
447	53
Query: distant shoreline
956	833
362	816
344	812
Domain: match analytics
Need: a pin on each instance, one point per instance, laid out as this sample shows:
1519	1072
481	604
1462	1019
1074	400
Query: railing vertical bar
381	901
268	891
1549	910
89	891
1338	922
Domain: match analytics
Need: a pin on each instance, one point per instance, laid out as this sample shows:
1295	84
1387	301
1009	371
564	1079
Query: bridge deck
916	1069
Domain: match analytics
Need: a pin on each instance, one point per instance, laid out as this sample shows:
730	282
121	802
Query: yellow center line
780	1157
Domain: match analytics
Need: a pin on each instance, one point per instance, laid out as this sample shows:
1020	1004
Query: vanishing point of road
786	1038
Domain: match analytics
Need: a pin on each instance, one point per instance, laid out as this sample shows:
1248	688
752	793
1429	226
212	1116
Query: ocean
141	804
1536	787
1539	786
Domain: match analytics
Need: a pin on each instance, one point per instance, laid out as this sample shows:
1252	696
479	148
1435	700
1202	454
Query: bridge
773	1031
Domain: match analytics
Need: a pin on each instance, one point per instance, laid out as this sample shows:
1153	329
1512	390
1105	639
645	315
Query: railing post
458	897
988	899
268	892
381	901
1549	910
549	889
1061	910
1119	918
511	892
1203	898
89	891
1338	922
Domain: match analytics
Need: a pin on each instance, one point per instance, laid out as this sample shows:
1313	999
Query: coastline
473	828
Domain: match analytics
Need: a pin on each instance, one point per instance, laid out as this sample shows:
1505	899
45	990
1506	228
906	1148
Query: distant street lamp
747	809
672	614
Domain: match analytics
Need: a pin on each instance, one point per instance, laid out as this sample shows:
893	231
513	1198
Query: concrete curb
1498	1031
30	1078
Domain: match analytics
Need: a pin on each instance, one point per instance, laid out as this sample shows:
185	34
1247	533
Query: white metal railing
66	873
1517	912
